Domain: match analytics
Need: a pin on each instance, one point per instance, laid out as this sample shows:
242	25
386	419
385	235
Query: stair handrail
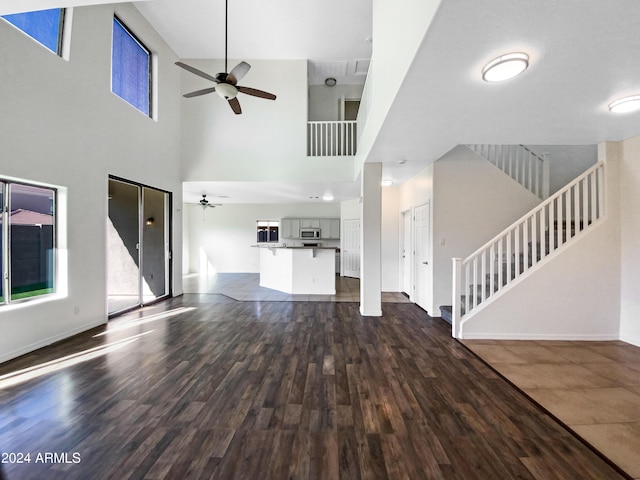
581	199
509	159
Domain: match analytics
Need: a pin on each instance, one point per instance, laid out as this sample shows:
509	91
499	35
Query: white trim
48	341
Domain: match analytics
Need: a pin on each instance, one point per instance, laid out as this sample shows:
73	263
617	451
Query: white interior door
422	257
350	253
406	252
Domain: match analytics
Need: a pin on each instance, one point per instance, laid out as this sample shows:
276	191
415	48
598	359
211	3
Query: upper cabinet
329	227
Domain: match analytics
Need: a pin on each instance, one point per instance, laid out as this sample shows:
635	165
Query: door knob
426	263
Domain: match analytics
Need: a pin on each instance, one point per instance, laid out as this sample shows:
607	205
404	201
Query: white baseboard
539	336
6	356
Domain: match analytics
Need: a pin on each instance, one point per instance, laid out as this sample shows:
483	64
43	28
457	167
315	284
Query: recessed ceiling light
505	67
386	182
327	197
625	105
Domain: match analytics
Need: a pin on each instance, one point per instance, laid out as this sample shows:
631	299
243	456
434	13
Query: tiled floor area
593	387
246	286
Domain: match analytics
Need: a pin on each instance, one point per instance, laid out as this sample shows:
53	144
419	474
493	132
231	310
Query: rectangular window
45	26
27	243
130	68
268	231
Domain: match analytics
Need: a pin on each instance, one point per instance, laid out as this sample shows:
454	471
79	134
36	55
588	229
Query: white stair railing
537	235
331	139
520	163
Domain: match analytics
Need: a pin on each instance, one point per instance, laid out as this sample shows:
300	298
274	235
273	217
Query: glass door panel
155	244
123	246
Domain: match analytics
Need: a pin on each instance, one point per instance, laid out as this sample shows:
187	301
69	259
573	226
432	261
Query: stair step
446	313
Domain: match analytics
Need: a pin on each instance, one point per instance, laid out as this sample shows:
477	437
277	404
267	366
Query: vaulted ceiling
584	54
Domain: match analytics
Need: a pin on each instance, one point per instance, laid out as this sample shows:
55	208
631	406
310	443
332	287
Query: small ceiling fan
227	82
204	203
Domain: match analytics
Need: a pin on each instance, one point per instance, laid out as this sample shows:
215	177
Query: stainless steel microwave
307	233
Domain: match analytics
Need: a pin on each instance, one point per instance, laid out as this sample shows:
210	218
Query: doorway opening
138	245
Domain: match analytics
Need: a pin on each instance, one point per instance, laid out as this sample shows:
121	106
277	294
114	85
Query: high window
130	68
27	243
45	26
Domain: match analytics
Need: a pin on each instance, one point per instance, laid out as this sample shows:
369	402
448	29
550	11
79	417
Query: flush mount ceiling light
327	197
386	182
505	67
625	105
330	82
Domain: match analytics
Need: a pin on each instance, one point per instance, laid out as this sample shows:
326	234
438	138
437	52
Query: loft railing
510	254
520	163
331	139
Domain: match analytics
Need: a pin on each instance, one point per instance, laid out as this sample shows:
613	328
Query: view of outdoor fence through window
30	250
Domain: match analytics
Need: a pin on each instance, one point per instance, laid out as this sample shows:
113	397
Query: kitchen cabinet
309	223
290	228
329	227
335	228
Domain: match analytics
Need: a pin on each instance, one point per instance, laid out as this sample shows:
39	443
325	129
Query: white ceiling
268	192
331	34
584	54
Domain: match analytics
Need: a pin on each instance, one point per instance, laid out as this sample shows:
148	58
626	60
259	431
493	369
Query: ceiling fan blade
256	93
197	93
239	71
195	71
235	105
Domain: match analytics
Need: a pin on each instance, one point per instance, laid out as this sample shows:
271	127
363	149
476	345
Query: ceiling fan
227	82
204	203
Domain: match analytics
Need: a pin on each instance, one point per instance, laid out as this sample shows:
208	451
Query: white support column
371	240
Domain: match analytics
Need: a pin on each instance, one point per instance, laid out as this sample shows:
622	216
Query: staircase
523	165
533	239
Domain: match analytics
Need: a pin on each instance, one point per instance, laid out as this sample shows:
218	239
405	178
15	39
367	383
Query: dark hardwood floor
216	388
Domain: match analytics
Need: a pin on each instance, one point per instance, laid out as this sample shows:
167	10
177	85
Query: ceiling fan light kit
227	82
505	67
226	91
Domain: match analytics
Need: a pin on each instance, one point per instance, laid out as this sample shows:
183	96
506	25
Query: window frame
5	250
150	55
270	227
61	30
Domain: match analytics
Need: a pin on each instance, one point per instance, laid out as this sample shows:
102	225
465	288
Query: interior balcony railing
331	139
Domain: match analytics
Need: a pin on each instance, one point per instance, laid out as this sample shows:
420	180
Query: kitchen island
299	270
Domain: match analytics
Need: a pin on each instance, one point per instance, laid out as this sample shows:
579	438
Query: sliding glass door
138	233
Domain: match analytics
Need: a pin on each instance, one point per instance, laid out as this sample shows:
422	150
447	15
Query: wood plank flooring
207	387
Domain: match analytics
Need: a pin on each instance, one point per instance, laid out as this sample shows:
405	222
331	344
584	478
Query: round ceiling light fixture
505	67
327	197
625	105
226	91
330	82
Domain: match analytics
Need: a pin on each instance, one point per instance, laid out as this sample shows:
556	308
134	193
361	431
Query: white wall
324	102
392	27
220	241
267	142
630	233
61	125
575	295
390	246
